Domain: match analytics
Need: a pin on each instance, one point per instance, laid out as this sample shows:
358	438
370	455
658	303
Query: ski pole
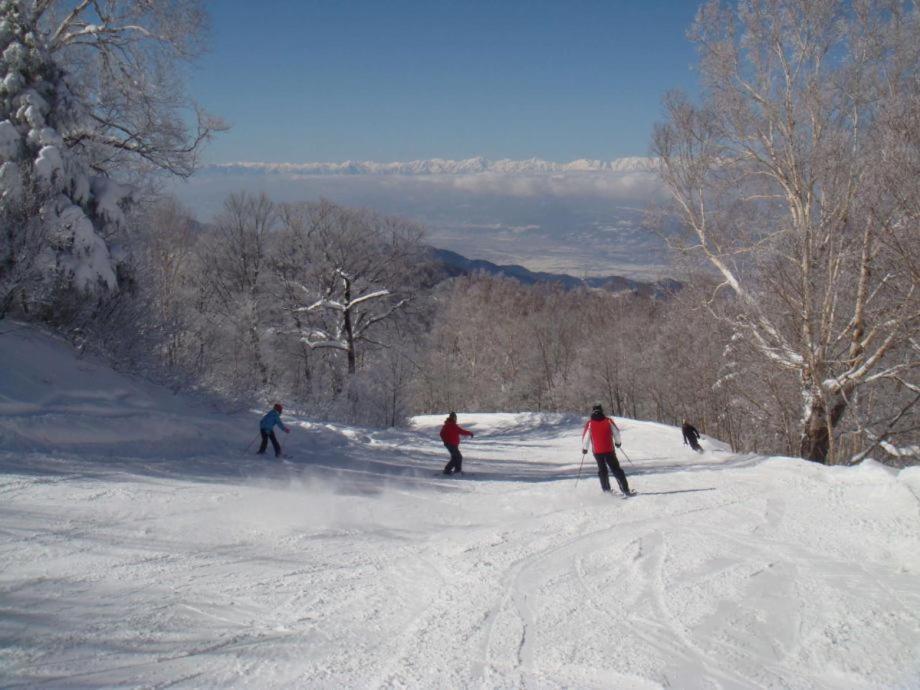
626	456
579	469
252	442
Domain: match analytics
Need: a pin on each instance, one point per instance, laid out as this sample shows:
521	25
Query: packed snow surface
144	545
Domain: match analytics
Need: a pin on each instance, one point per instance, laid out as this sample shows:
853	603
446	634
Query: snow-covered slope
142	547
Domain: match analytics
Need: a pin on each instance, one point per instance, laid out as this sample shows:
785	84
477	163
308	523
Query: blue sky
300	80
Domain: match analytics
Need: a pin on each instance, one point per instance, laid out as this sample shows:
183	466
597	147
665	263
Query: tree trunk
349	331
257	354
306	378
731	433
7	303
336	382
352	360
816	436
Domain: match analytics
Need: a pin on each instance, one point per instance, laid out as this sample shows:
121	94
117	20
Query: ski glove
584	451
287	431
618	444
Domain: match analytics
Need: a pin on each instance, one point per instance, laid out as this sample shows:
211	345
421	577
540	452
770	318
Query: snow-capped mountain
438	166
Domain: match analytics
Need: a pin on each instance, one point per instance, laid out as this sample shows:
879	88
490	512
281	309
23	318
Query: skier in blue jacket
267	429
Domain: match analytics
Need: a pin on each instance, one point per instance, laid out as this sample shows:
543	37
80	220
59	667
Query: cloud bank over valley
583	217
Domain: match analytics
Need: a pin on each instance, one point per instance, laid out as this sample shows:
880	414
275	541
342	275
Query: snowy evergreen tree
88	104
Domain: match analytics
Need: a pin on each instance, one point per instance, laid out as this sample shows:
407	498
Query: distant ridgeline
451	264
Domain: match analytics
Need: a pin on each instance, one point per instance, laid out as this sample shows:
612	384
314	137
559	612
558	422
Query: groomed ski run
142	548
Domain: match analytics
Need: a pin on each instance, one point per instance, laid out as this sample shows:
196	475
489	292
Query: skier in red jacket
450	435
604	435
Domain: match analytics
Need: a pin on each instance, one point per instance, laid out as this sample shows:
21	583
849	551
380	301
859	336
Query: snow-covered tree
168	271
796	180
350	271
234	273
89	101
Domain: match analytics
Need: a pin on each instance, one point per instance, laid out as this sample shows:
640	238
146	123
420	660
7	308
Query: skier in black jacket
691	435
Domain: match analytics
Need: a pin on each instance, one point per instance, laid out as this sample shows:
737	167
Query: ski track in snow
155	553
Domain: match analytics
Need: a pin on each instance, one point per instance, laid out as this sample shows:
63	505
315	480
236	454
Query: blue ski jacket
268	421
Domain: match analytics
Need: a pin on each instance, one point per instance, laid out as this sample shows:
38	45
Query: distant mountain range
437	166
453	264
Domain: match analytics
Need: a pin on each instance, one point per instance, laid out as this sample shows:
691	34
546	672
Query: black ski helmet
598	408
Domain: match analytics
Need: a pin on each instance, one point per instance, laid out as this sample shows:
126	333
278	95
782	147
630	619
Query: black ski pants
609	460
269	436
456	460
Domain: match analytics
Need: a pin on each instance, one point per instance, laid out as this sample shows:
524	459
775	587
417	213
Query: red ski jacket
604	432
451	431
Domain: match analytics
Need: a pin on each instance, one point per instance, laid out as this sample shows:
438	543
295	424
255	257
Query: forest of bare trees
499	345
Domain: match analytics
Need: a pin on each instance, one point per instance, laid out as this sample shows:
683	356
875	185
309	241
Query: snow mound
52	398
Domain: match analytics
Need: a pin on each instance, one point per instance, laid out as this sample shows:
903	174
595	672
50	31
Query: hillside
452	264
144	546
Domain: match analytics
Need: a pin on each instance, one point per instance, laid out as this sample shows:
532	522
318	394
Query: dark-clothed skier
603	434
691	435
450	435
267	429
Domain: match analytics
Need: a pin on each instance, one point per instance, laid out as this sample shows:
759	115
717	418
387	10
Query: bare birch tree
792	178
